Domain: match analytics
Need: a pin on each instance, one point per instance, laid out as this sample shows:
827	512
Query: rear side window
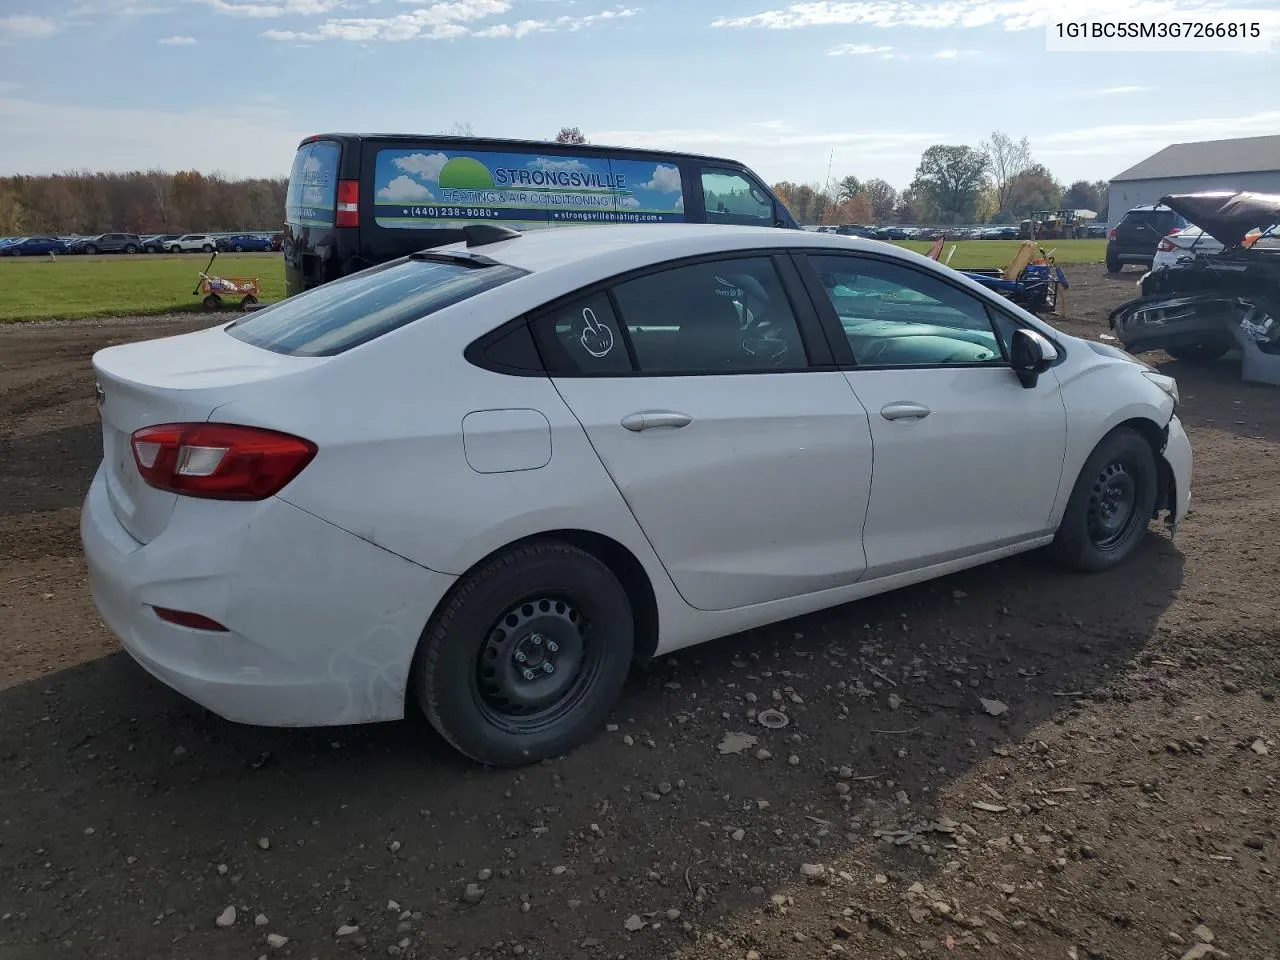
345	313
312	196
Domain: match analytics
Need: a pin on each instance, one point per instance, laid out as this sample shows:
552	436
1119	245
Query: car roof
605	246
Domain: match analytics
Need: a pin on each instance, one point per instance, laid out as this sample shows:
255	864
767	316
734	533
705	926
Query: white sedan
1193	242
485	478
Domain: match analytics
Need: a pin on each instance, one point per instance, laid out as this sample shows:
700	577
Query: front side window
731	197
896	316
355	309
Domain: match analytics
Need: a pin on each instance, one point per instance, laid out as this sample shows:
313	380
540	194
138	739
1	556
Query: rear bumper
322	626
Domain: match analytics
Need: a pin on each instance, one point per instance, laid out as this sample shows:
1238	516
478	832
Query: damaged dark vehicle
1209	304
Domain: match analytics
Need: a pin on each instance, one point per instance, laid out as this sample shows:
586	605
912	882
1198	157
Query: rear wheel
207	248
1200	354
1114	264
527	655
238	249
212	302
130	248
1111	504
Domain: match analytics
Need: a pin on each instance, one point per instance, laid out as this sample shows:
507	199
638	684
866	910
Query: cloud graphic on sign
665	179
558	166
405	190
679	204
628	202
311	165
425	165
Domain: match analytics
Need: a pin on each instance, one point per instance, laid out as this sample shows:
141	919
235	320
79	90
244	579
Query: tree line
151	201
997	181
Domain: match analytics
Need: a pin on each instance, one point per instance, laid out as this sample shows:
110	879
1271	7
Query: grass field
114	286
33	288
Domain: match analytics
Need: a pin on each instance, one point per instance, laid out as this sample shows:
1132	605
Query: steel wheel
534	665
1112	505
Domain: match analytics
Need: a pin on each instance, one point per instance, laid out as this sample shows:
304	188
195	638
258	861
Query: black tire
207	248
1114	265
90	248
175	249
1111	504
238	249
248	301
547	602
1200	354
130	248
212	302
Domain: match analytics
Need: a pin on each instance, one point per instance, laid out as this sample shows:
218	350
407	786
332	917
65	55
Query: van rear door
311	216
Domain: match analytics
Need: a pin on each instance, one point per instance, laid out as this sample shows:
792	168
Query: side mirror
1030	355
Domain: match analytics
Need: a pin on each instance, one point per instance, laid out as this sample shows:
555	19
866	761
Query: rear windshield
345	313
311	199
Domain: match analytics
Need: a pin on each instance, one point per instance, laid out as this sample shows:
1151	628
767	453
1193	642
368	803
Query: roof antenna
481	234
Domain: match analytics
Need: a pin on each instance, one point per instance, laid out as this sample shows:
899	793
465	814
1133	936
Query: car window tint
344	313
731	197
583	337
896	316
726	316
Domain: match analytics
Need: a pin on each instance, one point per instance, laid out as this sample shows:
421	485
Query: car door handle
904	410
647	419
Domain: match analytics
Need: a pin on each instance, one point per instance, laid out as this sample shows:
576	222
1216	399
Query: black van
356	200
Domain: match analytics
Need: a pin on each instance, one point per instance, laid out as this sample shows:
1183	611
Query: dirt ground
1122	806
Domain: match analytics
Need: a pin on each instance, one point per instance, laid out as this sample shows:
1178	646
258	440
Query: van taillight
1111	234
348	203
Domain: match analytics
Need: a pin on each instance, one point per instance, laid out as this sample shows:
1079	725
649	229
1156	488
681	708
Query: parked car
1200	308
856	230
635	439
1135	238
242	242
277	242
33	247
193	243
107	243
1193	242
159	243
1096	230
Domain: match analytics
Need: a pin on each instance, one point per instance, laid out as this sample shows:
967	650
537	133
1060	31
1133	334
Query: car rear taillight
1111	234
219	461
1166	245
348	203
1170	233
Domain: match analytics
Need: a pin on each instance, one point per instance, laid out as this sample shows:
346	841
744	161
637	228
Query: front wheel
1111	504
175	249
527	655
90	249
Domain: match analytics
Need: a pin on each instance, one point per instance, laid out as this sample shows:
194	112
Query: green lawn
33	288
105	286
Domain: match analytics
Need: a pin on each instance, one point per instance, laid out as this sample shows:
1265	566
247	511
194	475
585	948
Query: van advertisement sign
313	185
424	189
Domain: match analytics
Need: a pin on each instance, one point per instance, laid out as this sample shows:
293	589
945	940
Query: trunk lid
180	379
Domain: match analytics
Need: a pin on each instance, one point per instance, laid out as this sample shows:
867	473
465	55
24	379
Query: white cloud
425	165
1118	137
22	27
440	21
558	166
857	50
628	202
9	86
666	179
274	8
1116	91
679	204
44	137
405	190
178	41
952	14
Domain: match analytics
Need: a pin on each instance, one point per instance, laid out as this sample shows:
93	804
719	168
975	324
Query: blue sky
232	85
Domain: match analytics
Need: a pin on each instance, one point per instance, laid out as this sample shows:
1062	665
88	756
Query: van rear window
312	196
345	313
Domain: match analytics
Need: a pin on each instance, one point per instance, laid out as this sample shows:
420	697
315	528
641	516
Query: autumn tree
1031	190
857	209
1006	158
570	135
950	179
848	188
882	197
459	128
1086	195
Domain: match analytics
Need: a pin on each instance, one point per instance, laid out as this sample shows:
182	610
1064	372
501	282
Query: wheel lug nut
548	668
520	657
552	646
529	674
537	639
